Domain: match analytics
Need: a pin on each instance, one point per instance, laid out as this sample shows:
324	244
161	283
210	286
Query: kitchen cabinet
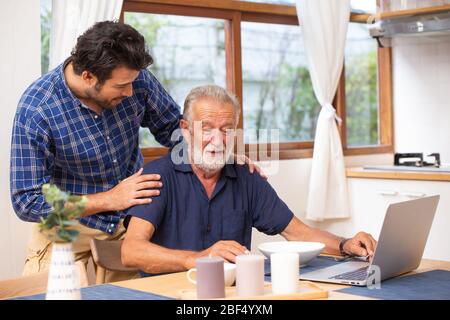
370	198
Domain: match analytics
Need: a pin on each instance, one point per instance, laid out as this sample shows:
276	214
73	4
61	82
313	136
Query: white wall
19	66
421	68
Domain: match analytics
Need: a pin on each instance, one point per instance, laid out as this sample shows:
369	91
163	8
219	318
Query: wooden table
169	285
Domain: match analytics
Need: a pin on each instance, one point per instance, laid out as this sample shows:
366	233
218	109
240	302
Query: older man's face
213	144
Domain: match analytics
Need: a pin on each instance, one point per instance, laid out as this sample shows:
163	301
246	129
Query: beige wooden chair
106	255
34	284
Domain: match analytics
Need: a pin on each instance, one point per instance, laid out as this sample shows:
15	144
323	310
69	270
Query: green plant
66	208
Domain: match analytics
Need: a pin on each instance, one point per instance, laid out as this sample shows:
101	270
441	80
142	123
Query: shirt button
109	230
115	160
96	116
112	225
108	138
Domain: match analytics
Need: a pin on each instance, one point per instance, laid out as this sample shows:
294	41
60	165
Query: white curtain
70	18
324	28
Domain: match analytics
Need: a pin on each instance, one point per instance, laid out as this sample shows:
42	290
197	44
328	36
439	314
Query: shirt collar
64	88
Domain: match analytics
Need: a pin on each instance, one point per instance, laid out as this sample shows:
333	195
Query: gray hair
213	92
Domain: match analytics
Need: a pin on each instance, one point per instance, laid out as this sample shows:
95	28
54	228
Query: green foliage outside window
362	99
285	99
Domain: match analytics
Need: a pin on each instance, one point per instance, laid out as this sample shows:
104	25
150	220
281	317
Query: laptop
399	250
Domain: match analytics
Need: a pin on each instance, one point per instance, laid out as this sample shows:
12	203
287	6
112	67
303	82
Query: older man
209	206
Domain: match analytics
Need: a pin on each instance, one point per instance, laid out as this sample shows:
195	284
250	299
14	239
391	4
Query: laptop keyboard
359	274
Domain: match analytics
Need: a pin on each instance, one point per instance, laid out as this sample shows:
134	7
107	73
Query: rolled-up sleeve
31	166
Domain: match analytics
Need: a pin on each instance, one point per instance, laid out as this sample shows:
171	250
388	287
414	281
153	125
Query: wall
421	68
19	66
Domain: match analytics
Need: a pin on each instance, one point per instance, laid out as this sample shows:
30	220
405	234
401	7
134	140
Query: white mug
284	272
229	270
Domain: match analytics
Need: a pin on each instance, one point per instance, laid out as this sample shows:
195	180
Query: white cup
229	270
284	272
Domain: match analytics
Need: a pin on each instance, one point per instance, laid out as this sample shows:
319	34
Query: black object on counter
416	160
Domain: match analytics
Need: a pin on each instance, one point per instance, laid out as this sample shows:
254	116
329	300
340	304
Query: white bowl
306	250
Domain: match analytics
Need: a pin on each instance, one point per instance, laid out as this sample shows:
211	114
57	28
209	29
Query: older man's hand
362	244
227	249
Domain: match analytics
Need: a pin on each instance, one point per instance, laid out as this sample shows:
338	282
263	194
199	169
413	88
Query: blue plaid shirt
57	139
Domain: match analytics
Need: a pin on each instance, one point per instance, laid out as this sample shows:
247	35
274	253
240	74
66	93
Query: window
361	89
46	21
356	5
369	6
187	52
277	89
254	49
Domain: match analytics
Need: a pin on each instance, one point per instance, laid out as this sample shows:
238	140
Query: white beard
211	163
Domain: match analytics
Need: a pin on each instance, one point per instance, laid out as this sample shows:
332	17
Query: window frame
235	12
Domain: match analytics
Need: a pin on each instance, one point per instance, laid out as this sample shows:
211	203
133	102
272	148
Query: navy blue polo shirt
185	218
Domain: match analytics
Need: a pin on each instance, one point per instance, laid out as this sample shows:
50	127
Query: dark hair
107	45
